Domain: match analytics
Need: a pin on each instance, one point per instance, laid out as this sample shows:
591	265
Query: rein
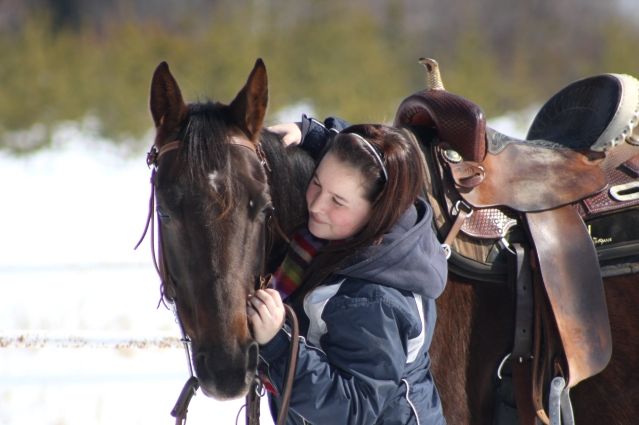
179	411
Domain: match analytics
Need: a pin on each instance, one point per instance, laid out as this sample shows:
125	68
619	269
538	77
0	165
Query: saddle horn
458	121
433	76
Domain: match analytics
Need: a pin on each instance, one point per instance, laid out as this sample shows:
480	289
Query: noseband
180	409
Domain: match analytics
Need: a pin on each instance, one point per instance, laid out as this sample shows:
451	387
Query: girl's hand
265	314
290	133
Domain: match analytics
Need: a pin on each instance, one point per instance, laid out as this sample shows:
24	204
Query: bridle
179	411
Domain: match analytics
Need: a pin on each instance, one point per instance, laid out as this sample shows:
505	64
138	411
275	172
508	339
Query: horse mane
290	171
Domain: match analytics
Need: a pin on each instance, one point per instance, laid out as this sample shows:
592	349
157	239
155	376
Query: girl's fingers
259	305
268	299
265	296
265	312
257	311
291	133
274	295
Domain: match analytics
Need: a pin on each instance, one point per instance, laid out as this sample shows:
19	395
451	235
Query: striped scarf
288	277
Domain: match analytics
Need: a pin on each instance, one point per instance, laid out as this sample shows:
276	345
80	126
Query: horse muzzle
226	375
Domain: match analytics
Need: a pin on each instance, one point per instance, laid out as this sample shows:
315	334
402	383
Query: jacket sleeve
359	370
315	134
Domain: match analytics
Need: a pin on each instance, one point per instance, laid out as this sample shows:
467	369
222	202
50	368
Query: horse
228	192
220	184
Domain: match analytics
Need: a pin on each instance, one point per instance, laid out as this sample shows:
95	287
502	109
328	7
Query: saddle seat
596	113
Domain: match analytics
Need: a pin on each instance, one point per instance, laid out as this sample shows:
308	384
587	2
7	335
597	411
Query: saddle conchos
541	213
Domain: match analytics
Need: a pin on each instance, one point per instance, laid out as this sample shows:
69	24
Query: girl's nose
316	203
313	206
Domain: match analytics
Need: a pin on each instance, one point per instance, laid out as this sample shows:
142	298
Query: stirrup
559	405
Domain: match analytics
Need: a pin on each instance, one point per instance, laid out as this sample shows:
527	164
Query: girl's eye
337	202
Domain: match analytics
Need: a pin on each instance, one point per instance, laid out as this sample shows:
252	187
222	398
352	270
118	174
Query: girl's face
336	200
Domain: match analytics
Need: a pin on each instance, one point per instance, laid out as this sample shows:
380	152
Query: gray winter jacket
366	333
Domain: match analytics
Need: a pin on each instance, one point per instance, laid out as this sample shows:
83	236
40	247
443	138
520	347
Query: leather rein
179	411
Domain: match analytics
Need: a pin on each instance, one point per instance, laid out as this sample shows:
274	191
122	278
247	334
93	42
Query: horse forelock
204	153
205	140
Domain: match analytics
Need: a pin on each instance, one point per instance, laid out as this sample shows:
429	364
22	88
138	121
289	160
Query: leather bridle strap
292	365
180	409
252	398
152	158
255	147
463	212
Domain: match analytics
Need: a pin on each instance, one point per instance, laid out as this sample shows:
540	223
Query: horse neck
291	170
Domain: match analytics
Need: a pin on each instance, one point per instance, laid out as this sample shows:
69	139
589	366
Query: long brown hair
391	191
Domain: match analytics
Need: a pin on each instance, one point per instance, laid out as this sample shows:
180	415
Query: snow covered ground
69	218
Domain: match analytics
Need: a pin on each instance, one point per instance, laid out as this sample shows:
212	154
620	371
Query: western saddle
527	210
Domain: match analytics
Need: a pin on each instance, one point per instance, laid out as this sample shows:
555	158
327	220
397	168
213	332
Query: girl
364	277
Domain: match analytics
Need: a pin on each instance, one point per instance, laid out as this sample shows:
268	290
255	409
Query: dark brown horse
217	188
215	209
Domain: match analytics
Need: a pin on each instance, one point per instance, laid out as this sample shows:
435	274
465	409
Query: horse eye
164	217
268	209
260	207
253	204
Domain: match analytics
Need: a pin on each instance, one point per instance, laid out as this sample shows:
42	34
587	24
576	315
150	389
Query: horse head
213	201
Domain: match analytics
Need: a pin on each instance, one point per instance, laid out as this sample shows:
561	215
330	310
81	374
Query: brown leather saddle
534	202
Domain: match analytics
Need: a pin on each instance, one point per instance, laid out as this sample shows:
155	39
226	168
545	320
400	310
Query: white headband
375	152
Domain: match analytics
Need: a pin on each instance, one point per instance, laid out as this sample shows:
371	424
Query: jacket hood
410	257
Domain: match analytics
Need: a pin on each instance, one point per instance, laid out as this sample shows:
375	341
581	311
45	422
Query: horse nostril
200	359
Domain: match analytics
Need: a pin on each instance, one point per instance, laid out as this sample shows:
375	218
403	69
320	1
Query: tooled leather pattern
458	121
603	202
489	223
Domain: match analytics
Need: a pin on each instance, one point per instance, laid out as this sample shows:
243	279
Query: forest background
91	61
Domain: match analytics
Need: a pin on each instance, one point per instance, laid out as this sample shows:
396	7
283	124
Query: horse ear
249	106
167	106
